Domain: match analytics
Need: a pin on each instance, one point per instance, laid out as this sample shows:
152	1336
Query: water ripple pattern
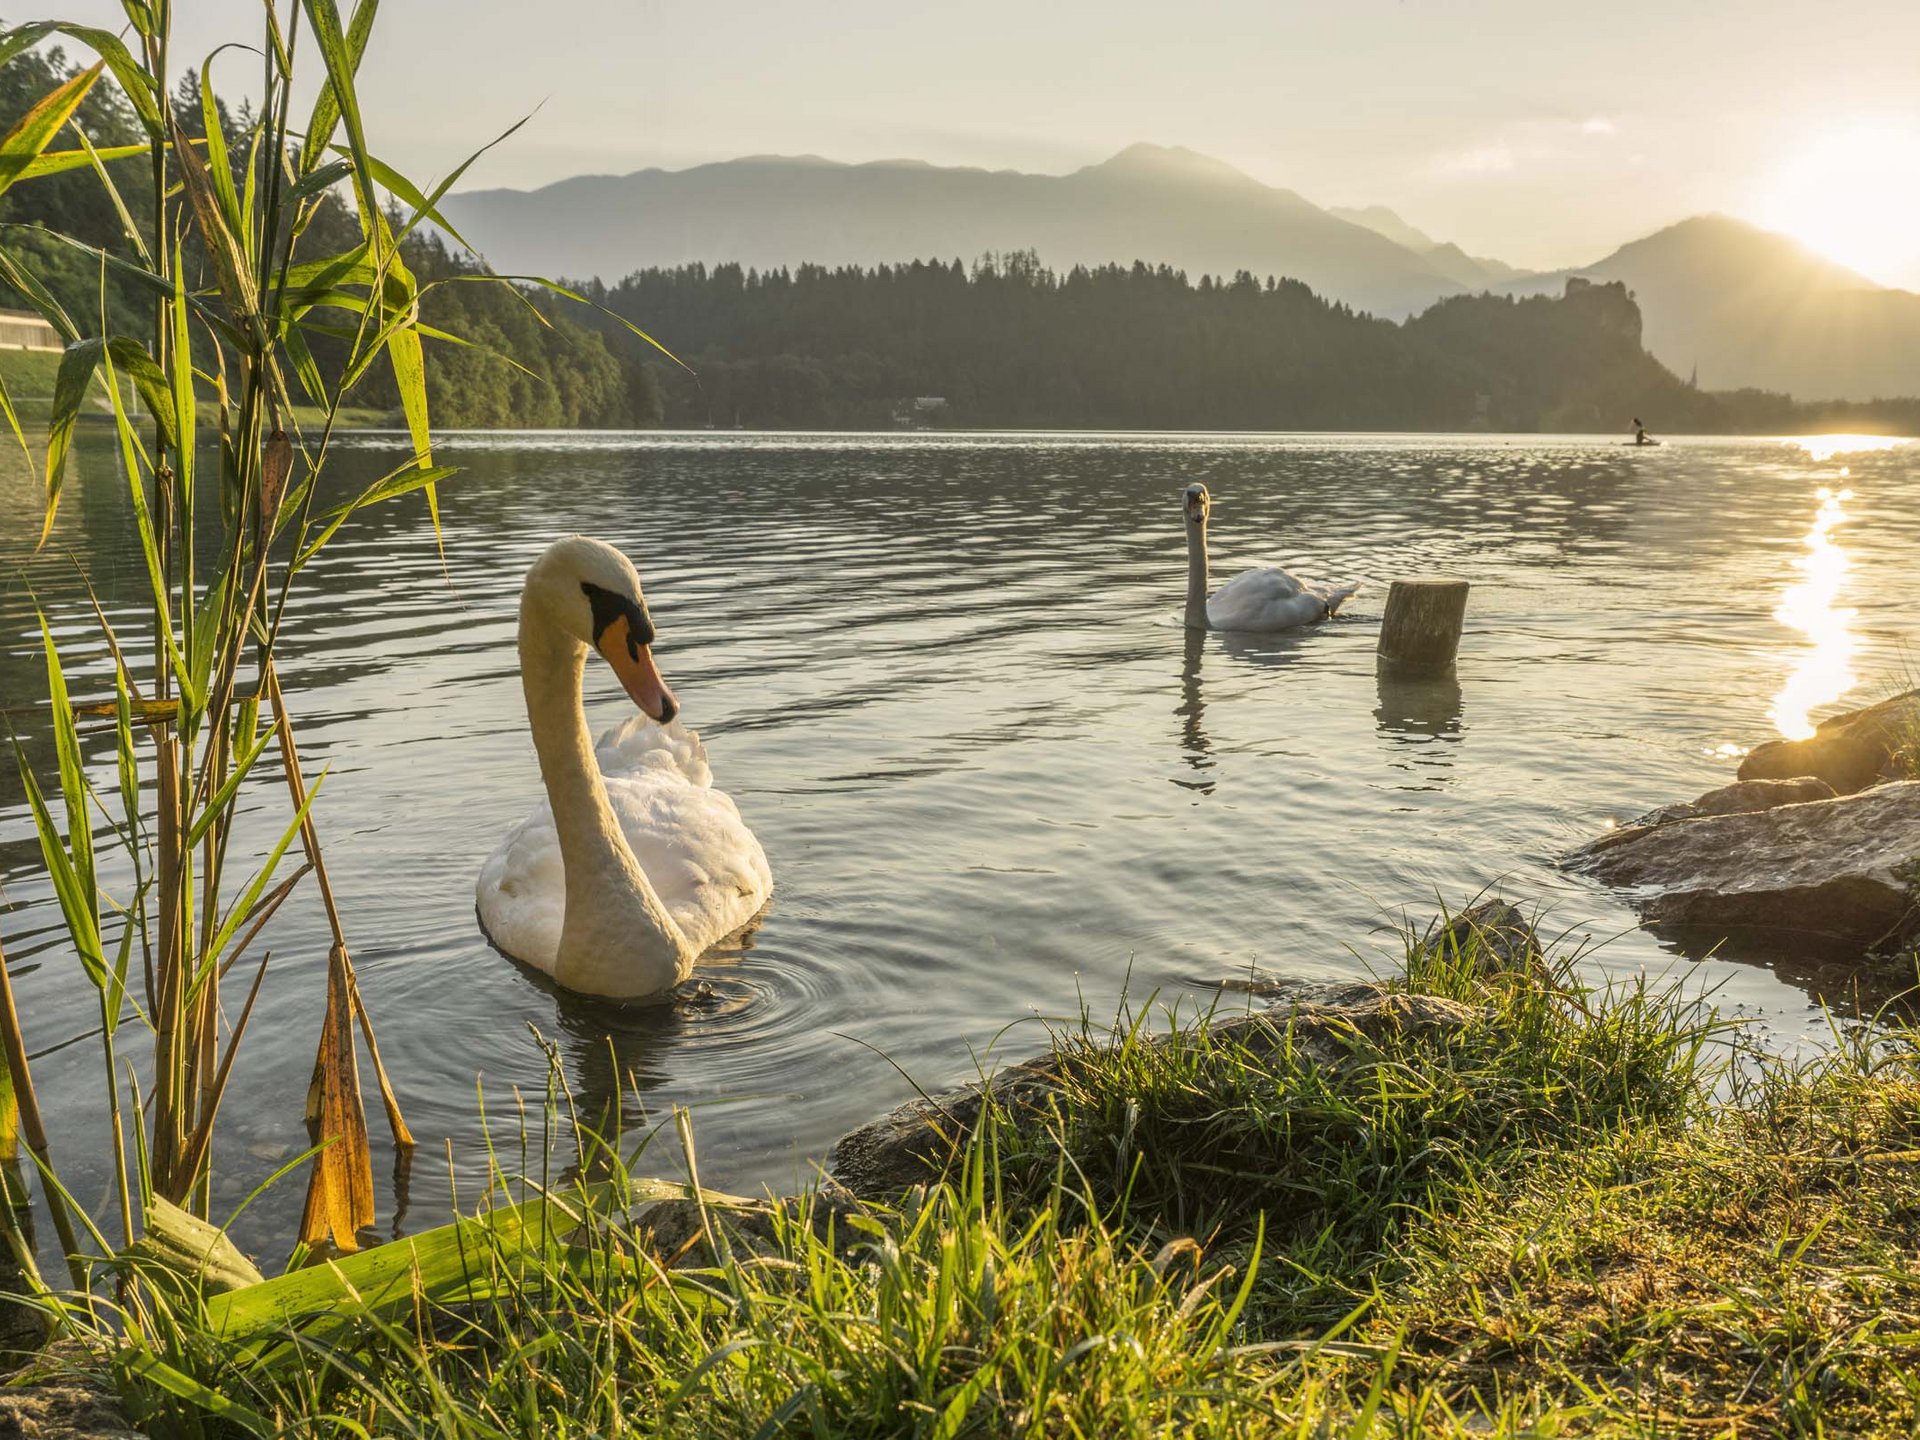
946	680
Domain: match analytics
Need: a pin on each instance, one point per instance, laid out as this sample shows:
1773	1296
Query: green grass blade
144	1365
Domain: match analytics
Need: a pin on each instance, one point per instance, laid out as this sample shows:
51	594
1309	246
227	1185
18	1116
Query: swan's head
591	592
1196	502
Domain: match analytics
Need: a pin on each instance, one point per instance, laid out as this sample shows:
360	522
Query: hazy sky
1539	131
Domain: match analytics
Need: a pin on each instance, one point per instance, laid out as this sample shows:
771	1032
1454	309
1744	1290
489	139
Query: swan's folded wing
522	892
707	867
1253	600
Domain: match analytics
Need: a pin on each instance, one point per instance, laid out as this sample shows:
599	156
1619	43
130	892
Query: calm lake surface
946	681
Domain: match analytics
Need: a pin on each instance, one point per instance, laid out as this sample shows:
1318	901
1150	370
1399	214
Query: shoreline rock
1844	869
1851	752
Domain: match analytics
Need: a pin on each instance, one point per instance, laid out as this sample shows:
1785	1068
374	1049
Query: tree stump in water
1420	632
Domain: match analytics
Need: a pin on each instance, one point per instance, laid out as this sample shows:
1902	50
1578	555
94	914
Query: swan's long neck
1196	573
617	938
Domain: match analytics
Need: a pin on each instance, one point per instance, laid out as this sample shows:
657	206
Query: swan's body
1266	598
635	865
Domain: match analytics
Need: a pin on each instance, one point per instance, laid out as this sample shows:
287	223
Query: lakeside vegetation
1499	1202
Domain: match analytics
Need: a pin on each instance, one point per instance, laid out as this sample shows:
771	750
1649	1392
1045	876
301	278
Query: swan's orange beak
633	663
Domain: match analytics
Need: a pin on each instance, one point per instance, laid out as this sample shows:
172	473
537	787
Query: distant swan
1264	599
648	865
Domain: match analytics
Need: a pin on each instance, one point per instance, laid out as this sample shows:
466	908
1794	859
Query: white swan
1263	599
635	865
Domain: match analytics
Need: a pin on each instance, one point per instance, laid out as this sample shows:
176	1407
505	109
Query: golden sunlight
1825	672
1853	194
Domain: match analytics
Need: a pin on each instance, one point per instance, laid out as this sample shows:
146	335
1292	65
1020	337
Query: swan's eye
609	607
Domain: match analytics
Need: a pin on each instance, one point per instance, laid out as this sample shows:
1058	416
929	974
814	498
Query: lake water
946	681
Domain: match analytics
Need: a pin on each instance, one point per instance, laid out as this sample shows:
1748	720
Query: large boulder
1850	752
1845	870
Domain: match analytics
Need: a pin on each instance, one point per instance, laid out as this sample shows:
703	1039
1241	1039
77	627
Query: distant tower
1693	380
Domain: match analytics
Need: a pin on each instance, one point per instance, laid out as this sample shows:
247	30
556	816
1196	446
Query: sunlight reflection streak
1825	672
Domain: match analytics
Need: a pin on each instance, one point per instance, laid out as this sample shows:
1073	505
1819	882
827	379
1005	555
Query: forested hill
1010	343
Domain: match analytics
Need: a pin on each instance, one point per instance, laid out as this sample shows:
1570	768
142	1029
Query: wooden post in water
1420	632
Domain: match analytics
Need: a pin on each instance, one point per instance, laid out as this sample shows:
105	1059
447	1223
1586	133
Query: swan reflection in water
612	1055
1825	672
1270	651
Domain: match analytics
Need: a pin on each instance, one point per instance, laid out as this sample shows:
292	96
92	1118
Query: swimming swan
648	866
1264	599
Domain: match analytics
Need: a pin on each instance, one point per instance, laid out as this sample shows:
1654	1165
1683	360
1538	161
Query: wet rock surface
1850	752
1845	869
1743	797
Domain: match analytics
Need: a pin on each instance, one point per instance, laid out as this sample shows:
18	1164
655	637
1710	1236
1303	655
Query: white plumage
706	866
1267	598
1271	599
634	865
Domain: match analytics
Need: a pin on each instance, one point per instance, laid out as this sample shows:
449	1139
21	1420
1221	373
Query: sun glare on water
1853	194
1825	672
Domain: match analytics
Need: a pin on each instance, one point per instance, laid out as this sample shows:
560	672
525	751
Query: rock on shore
1843	869
1850	752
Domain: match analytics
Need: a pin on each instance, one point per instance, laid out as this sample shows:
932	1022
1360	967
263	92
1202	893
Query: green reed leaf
135	82
131	466
217	803
13	423
150	380
126	757
238	915
180	355
56	162
28	284
219	162
342	54
222	245
35	130
82	920
398	482
70	386
73	772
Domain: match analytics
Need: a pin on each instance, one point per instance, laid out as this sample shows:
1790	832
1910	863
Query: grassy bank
1488	1205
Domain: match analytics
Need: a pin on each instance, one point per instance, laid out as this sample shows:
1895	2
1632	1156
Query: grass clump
1470	1204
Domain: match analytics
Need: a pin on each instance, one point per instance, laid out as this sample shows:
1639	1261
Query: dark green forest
1012	343
1006	342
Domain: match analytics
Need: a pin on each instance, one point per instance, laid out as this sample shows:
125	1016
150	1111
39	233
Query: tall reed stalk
241	311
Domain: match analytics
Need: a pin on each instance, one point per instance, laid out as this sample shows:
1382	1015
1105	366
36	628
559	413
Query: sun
1852	193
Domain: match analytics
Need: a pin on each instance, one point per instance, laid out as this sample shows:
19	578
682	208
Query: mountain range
1742	306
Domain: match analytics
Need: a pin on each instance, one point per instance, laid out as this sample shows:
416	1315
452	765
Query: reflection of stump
1420	631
